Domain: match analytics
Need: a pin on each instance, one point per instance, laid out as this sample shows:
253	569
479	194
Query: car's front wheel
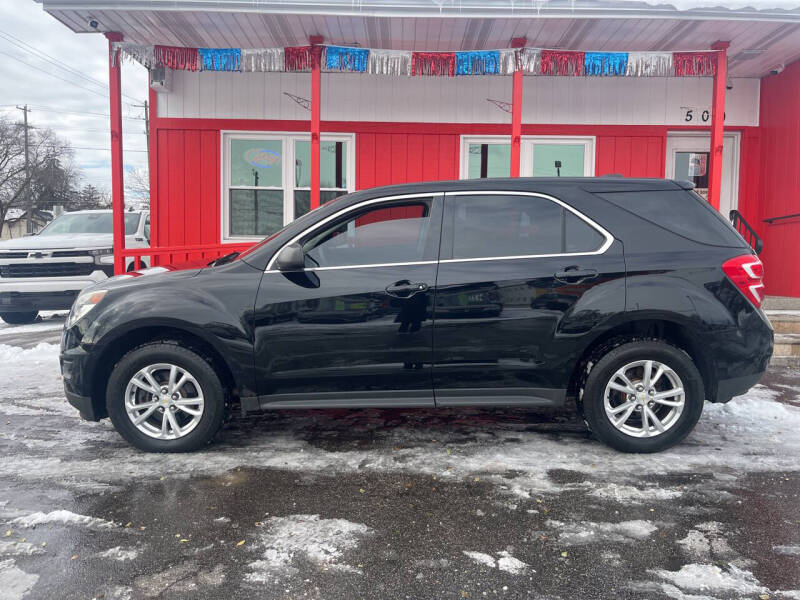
643	396
20	318
162	397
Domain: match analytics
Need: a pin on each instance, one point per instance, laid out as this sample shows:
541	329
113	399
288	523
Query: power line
45	108
26	47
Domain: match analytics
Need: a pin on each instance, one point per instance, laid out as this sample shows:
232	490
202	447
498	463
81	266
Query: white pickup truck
47	270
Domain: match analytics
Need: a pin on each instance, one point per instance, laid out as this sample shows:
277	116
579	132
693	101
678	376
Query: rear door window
498	225
680	211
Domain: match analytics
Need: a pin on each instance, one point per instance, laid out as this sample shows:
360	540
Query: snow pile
303	537
119	553
713	579
629	494
19	549
14	582
587	532
505	562
62	517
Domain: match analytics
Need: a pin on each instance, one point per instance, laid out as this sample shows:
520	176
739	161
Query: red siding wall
780	180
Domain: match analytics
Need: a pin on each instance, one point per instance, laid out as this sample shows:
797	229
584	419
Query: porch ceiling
760	39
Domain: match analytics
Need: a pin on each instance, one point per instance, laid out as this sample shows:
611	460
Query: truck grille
14	254
47	270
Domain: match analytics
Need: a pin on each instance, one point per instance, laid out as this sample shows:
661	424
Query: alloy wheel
644	398
164	401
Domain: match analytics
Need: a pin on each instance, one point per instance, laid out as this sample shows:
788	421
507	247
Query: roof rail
686	185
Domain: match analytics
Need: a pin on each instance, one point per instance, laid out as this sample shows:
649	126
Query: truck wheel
643	396
20	318
162	397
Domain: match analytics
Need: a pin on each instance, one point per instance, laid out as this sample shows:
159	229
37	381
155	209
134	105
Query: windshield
101	222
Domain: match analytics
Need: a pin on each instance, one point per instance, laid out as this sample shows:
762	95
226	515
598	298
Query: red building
246	136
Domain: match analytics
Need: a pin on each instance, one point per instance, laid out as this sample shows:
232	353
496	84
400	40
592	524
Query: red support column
516	112
316	91
717	124
117	194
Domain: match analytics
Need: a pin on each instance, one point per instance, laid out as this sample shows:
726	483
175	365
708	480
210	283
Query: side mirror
291	258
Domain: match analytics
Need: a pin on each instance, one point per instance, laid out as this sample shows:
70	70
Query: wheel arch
674	331
118	347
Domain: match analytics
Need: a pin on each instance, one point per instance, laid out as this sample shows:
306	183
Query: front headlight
85	302
103	256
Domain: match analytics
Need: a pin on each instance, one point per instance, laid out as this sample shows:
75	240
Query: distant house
16	222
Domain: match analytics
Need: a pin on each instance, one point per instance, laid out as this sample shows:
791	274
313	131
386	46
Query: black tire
20	318
595	385
203	371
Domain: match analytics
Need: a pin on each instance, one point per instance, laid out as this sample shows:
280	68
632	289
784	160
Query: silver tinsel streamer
530	60
508	62
649	64
262	59
389	62
142	54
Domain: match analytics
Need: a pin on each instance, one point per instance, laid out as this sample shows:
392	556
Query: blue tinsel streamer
605	63
483	62
340	58
220	59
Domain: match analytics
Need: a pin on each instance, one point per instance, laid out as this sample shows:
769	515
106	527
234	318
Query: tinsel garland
695	64
389	62
605	63
649	64
341	58
482	62
297	58
433	63
508	61
530	60
263	59
176	58
220	59
144	55
562	62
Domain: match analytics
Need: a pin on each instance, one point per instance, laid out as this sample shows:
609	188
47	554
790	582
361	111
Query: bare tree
44	149
137	188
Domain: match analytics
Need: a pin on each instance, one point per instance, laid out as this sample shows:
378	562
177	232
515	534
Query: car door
523	281
355	327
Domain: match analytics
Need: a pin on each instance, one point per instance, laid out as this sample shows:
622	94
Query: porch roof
761	38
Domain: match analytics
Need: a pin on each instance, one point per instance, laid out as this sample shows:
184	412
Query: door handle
405	289
575	275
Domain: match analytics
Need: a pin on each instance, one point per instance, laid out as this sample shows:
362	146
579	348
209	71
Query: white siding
546	100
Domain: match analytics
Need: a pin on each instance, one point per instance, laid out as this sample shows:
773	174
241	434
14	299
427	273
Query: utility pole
146	126
28	199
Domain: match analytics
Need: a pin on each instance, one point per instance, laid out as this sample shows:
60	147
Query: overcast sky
59	98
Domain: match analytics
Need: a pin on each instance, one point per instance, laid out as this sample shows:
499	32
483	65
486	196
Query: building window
541	156
267	179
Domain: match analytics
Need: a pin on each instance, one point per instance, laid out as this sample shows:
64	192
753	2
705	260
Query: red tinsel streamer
561	62
694	64
297	58
174	57
433	63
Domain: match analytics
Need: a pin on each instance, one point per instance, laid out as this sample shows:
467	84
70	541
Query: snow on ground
504	562
14	582
587	532
119	553
285	540
62	517
19	549
752	433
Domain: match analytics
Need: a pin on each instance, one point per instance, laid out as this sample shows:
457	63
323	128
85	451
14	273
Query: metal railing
771	220
746	231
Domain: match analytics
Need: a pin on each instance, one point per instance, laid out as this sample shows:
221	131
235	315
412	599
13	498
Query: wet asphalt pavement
393	503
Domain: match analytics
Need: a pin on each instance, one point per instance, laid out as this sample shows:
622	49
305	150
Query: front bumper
83	404
76	372
46	293
31	301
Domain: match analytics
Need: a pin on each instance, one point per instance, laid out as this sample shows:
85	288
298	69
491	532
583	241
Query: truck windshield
89	223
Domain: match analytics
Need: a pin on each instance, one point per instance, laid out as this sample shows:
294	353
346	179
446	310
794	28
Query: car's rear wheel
643	396
162	397
20	318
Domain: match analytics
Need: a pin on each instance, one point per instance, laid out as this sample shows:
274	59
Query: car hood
71	241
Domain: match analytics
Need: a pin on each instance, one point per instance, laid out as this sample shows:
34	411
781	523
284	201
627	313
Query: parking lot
393	503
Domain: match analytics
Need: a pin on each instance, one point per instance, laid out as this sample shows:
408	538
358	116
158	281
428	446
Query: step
787	344
781	303
784	321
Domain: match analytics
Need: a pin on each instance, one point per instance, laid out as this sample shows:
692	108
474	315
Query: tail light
747	273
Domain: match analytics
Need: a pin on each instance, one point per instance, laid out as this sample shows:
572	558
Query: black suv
633	296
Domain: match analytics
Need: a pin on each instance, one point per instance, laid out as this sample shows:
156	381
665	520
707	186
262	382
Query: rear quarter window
680	211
